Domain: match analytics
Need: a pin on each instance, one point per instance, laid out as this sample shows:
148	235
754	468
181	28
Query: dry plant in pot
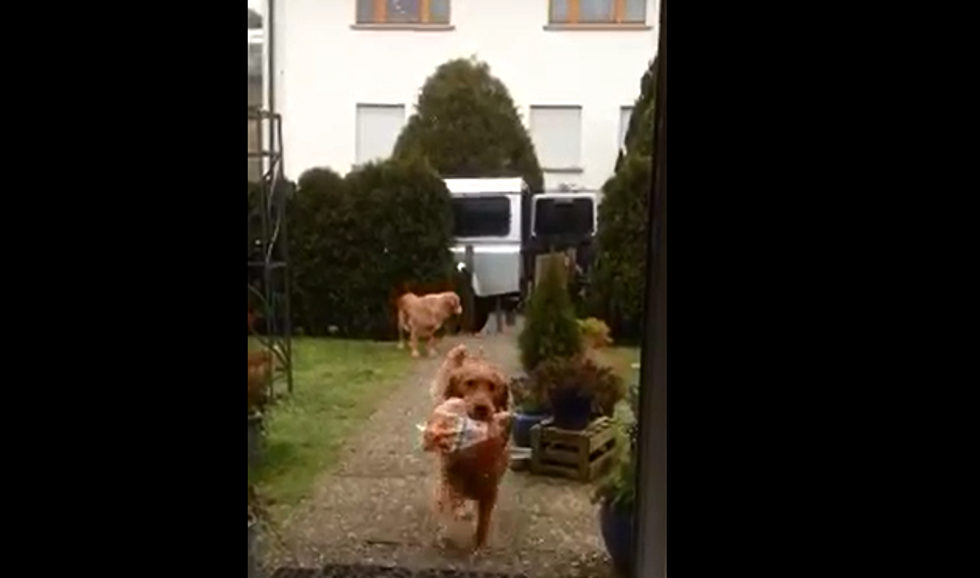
578	390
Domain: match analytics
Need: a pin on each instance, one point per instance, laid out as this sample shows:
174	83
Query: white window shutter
625	115
557	135
378	127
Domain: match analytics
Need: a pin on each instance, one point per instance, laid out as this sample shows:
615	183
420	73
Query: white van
507	227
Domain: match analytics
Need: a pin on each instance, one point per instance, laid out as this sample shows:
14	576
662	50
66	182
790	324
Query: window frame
618	20
380	7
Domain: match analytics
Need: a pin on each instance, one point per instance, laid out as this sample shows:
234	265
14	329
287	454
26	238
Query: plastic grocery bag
450	429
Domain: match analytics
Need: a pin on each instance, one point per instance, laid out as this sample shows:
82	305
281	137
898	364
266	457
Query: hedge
358	242
619	276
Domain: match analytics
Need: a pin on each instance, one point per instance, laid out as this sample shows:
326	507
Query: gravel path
375	506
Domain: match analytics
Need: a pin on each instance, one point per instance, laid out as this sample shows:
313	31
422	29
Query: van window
564	217
481	216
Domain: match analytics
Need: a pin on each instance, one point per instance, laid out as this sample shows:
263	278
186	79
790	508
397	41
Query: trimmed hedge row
358	242
619	277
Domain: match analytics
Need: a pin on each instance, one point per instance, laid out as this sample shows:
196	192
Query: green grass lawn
337	386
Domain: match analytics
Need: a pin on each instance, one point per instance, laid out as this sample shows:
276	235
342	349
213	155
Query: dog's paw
478	551
415	354
401	345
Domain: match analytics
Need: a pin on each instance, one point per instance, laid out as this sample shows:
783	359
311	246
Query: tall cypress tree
466	125
639	134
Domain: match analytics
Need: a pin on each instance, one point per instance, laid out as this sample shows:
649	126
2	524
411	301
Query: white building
348	73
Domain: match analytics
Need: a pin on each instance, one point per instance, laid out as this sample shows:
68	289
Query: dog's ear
450	303
501	398
454	386
457	355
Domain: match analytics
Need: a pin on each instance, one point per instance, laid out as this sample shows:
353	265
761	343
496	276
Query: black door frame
651	520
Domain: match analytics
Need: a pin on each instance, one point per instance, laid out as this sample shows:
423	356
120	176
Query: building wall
326	66
254	99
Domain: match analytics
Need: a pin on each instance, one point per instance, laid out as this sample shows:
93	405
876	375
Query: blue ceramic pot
617	533
523	422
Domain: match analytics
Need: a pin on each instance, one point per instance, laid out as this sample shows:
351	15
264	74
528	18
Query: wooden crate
579	455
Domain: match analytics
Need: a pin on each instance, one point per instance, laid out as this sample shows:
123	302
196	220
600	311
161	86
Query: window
378	127
481	217
598	12
403	11
557	135
625	114
564	217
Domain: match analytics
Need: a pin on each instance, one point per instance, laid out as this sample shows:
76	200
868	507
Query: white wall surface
326	67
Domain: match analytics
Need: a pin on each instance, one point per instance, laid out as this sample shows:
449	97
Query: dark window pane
636	11
564	217
401	11
439	11
559	11
593	11
365	11
481	217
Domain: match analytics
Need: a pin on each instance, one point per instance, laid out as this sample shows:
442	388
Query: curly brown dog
475	473
421	317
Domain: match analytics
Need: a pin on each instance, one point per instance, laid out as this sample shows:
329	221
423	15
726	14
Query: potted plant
578	390
531	408
608	389
616	495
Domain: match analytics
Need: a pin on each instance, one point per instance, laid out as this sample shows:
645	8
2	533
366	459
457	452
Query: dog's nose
481	412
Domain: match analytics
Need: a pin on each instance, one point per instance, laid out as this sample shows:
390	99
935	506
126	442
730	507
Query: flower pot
254	438
571	410
616	523
523	422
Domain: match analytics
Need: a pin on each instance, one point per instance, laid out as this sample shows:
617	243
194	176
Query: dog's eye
470	384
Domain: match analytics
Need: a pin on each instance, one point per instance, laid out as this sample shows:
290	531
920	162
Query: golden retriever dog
422	316
474	474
